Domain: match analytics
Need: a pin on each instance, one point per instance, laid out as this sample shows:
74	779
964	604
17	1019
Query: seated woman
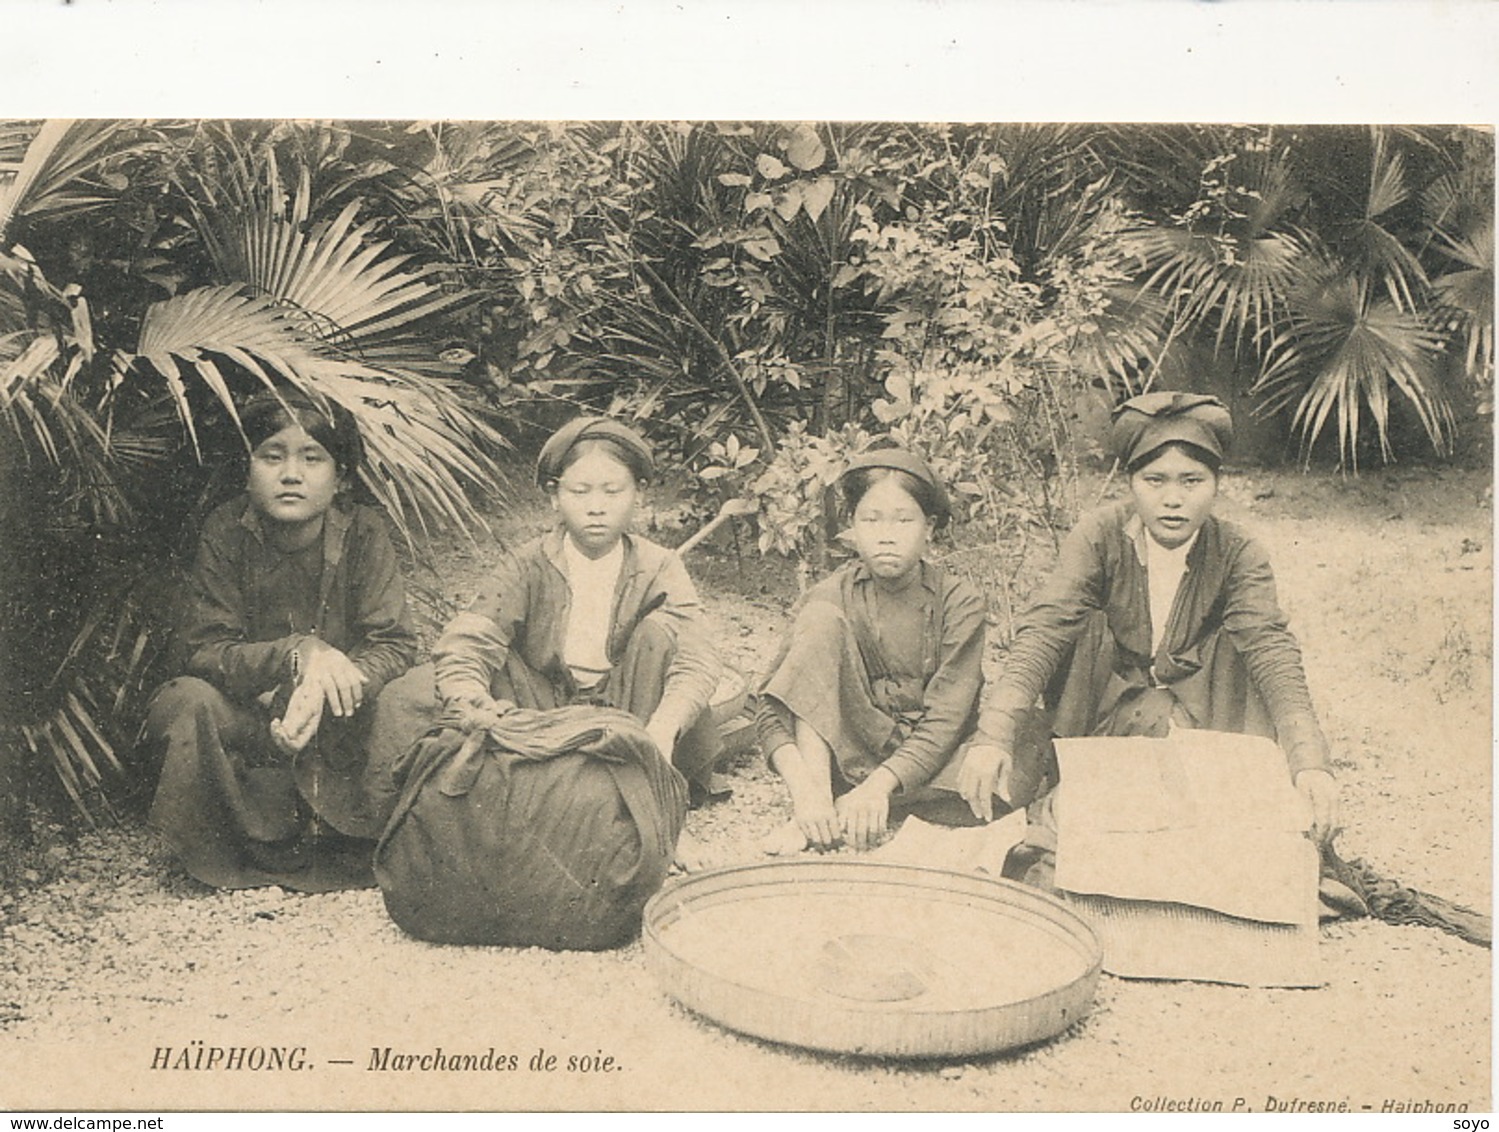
295	620
878	680
586	614
1158	614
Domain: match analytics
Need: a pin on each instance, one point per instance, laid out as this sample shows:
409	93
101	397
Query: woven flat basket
876	959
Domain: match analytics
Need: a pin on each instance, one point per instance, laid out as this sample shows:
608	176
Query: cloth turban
1144	424
554	452
906	461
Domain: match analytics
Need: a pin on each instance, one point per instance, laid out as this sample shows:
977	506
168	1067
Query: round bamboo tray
875	959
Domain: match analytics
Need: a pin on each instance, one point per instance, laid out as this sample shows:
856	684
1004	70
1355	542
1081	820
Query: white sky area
1084	60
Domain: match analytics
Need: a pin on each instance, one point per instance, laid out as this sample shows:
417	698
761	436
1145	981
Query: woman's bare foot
692	855
785	841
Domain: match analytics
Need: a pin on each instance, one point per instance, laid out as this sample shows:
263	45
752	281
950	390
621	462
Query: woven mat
1189	855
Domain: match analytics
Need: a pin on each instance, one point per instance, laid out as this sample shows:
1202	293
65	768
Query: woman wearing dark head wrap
588	613
1158	614
294	621
592	611
877	682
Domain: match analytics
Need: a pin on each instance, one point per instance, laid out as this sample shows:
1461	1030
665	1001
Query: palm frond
97	690
1369	240
351	291
15	136
1466	296
424	442
1343	355
1240	286
39	406
251	331
52	178
1127	334
1388	187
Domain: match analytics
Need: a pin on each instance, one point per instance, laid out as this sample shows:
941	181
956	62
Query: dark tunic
1227	658
237	811
885	679
1226	662
507	648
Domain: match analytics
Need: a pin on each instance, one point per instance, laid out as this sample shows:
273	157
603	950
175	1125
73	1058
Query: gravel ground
108	954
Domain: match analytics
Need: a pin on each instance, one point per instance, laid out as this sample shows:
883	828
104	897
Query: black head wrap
1144	424
904	460
552	460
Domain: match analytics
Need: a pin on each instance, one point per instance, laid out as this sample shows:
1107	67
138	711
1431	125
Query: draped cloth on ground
1394	903
1189	856
531	829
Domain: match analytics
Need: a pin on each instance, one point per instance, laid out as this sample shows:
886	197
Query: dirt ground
109	955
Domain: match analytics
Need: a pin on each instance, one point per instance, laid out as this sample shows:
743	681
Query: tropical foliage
152	277
713	278
1355	266
762	298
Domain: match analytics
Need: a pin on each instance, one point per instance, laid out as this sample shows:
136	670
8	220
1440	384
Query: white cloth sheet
1190	855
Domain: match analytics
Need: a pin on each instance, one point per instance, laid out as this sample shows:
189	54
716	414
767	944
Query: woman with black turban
1158	614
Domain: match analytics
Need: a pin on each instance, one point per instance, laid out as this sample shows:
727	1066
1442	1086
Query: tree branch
767	438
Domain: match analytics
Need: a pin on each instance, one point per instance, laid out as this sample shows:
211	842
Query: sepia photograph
671	610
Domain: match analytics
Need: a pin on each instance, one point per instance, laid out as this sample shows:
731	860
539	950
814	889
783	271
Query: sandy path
1388	581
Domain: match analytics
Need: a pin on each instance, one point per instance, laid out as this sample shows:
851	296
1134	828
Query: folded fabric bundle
531	828
1394	903
1189	856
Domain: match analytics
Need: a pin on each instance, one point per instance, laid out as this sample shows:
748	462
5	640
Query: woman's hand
818	821
336	678
985	769
664	734
812	810
1320	790
299	723
865	810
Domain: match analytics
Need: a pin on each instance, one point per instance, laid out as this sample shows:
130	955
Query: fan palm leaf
50	423
1466	295
1200	276
52	178
1128	332
193	327
354	294
424	443
1370	245
352	291
1344	353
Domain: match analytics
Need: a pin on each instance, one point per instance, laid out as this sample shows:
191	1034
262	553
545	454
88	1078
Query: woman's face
596	498
1174	495
292	478
890	531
